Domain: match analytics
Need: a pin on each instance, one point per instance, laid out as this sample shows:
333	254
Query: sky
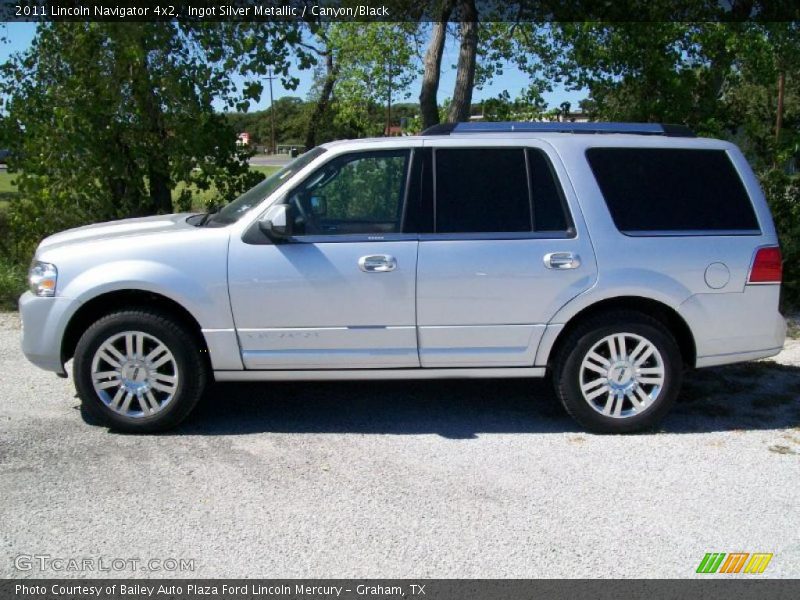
512	80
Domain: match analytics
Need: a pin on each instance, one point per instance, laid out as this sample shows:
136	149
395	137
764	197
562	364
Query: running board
360	374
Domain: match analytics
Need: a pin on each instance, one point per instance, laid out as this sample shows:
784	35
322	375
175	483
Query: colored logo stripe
758	562
713	562
734	562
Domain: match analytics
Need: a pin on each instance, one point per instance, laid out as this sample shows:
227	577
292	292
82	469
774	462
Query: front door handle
562	260
377	263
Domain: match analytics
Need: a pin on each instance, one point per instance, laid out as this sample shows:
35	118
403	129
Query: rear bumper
736	327
43	323
726	359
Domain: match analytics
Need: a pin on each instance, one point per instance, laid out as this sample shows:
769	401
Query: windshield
232	212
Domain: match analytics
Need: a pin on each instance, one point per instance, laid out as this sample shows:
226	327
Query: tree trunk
160	188
331	73
125	193
153	120
465	76
429	108
387	129
781	94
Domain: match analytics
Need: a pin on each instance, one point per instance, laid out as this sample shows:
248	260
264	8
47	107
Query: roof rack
554	127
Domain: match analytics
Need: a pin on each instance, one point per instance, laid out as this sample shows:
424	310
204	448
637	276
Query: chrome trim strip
330	351
432	237
352	237
377	374
474	350
499	235
333	328
693	233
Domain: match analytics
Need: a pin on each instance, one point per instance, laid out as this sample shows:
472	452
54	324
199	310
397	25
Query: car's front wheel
139	371
619	372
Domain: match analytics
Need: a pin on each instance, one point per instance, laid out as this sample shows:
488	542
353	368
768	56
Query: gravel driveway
404	479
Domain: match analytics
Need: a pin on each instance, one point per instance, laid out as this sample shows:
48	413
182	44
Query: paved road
454	479
270	160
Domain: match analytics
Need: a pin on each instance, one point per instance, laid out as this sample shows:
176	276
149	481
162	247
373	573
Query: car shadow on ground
762	395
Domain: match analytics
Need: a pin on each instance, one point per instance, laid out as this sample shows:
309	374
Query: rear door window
497	190
481	190
549	208
666	190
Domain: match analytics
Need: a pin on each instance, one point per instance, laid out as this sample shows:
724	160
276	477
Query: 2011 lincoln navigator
610	255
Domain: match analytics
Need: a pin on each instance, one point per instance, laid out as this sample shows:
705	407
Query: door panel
341	293
508	251
485	302
310	305
485	345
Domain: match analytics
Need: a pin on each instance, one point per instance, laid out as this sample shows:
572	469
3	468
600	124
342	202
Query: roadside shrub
12	283
783	195
33	218
23	224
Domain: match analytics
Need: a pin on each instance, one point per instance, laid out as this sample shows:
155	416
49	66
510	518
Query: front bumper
43	323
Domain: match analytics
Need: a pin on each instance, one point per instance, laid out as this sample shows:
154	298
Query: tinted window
351	194
548	203
654	189
419	203
481	190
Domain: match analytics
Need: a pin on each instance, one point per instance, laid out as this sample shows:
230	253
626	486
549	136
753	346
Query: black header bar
398	10
398	589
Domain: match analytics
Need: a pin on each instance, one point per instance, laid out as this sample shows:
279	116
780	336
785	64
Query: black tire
189	363
570	356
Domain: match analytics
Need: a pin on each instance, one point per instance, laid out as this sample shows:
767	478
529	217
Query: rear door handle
562	260
377	263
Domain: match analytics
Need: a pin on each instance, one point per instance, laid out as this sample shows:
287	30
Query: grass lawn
7	190
5	183
267	171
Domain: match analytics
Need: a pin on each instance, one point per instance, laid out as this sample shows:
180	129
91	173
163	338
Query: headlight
42	278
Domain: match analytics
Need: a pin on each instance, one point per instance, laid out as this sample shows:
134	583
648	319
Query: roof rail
555	127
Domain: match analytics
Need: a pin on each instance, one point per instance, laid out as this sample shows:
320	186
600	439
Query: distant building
573	116
243	139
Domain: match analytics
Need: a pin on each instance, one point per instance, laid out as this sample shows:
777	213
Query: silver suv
610	255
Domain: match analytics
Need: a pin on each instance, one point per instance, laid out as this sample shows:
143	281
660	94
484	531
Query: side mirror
276	223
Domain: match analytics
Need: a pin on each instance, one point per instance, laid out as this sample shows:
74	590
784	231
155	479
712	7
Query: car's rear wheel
619	372
139	371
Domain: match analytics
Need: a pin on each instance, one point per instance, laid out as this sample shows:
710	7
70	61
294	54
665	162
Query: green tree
324	80
739	81
376	65
104	120
429	110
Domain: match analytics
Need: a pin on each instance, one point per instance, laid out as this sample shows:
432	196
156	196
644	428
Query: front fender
203	294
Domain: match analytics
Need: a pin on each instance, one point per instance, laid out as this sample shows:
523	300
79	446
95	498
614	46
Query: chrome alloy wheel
622	375
134	374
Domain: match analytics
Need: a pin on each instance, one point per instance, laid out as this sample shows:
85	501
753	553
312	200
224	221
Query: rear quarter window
666	189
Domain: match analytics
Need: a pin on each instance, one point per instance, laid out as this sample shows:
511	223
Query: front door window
353	194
